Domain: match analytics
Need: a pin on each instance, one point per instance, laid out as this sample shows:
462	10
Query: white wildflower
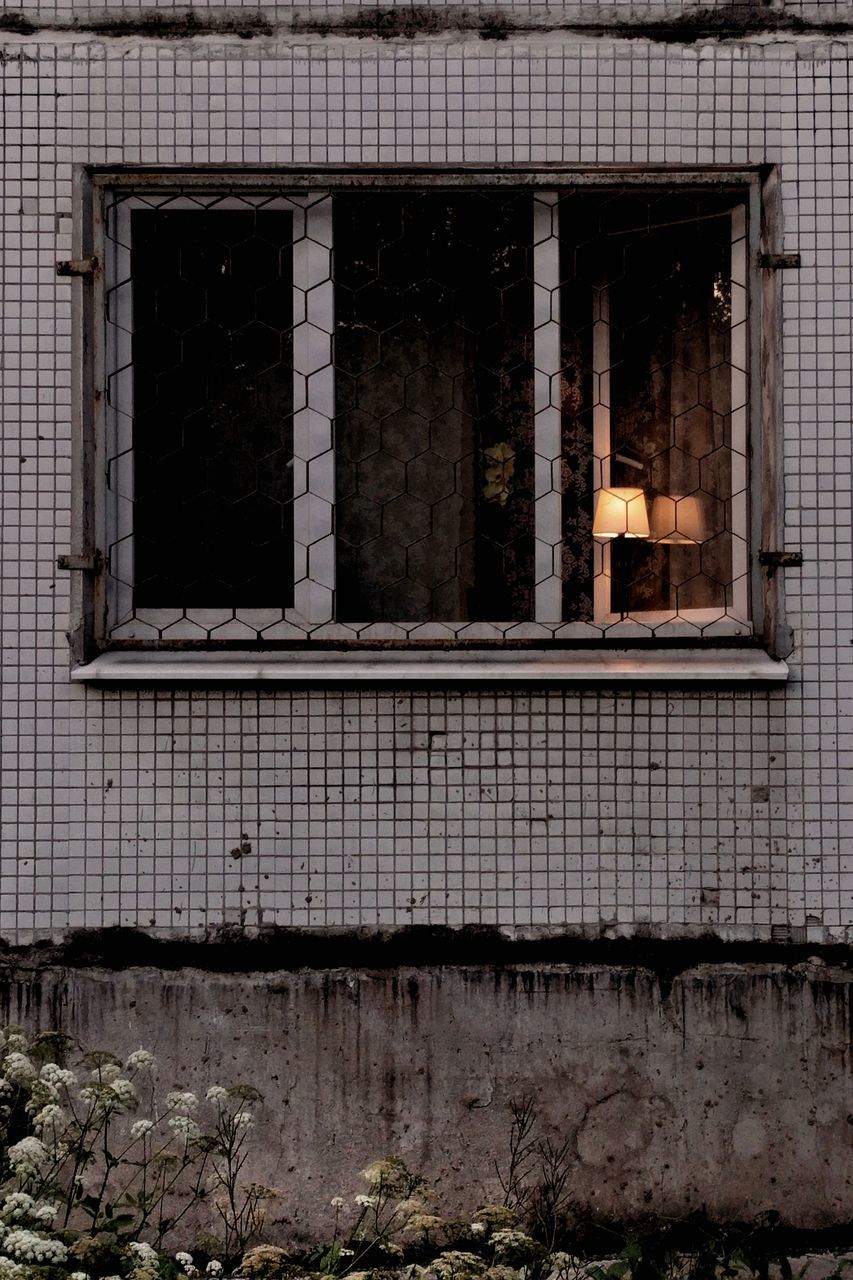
141	1128
18	1068
384	1172
45	1213
478	1228
213	1268
144	1254
508	1241
217	1094
185	1126
185	1262
453	1263
124	1091
99	1096
26	1246
10	1270
50	1117
27	1156
52	1074
337	1202
79	1275
347	1253
16	1206
15	1039
41	1095
140	1060
365	1202
244	1119
185	1102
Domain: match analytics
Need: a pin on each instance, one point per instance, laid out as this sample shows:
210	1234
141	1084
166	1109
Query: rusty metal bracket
773	560
779	261
79	563
76	267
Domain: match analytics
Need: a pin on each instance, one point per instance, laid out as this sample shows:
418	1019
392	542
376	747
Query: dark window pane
656	270
212	408
671	378
578	277
434	388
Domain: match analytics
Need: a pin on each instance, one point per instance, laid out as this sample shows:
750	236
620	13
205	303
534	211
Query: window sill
542	666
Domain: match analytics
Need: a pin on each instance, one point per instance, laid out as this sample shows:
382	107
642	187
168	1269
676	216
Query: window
504	410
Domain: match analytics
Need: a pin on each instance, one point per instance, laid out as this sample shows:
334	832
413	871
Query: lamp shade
620	513
678	520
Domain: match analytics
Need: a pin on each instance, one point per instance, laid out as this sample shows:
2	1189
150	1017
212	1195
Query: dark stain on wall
232	950
408	22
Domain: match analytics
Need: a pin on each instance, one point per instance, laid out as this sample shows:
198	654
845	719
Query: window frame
757	186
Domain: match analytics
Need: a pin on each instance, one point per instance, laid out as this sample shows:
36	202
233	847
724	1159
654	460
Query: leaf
122	1219
330	1259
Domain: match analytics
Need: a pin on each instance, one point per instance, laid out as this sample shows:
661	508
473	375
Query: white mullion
548	518
739	416
601	442
313	411
313	414
119	457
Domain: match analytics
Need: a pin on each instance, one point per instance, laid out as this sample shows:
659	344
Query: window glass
212	407
434	400
499	414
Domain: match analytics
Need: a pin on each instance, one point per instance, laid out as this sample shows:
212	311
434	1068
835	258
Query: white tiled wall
177	810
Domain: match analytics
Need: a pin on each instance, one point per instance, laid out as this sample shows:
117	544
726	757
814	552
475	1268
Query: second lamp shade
677	520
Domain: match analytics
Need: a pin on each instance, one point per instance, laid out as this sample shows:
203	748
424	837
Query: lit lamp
677	520
620	513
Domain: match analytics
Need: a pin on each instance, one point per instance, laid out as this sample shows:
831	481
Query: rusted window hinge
81	563
76	267
779	261
773	560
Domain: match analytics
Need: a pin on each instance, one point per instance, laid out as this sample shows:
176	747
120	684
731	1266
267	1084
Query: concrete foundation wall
727	1087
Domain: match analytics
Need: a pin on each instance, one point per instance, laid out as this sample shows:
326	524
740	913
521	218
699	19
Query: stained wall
669	811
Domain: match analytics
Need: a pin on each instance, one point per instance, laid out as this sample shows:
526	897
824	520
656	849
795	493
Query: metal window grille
390	415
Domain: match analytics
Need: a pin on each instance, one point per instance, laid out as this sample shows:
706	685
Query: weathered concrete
670	21
729	1088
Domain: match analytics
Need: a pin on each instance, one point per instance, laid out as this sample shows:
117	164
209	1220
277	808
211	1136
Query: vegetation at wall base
101	1177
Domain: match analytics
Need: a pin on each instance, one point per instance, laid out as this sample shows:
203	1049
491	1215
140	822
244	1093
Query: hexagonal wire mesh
407	415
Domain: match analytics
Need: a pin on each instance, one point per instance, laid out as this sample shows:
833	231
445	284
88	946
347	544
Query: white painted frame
316	459
313	460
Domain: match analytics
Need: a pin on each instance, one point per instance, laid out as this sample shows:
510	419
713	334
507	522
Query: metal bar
779	261
313	418
742	408
73	562
547	430
773	560
77	266
601	443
